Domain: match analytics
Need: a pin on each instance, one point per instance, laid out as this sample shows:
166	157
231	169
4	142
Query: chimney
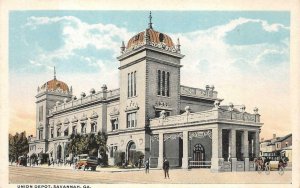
274	136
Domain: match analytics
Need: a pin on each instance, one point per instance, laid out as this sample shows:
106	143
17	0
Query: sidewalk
98	169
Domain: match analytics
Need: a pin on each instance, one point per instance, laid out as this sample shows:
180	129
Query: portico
214	138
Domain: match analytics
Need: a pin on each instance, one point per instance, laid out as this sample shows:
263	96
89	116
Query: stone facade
152	113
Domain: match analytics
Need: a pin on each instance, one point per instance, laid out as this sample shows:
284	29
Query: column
256	144
54	152
63	151
246	150
185	149
217	160
232	144
161	150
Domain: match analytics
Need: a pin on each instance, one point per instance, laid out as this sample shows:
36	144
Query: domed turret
150	37
55	85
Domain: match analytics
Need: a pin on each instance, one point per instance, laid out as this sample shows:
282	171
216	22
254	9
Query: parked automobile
86	162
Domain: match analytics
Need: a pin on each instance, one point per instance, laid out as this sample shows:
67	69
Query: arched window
158	82
163	83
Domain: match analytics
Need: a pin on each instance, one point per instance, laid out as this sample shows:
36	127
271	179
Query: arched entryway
131	149
198	153
59	152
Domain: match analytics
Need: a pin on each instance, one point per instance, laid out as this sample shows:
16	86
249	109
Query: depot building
151	112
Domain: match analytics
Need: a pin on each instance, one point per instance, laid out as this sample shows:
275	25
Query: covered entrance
198	153
131	149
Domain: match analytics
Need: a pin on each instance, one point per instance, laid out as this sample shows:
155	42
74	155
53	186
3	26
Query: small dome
55	85
154	37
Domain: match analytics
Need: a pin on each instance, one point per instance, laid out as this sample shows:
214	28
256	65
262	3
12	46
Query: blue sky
236	51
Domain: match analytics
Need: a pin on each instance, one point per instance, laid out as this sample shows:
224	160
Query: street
37	175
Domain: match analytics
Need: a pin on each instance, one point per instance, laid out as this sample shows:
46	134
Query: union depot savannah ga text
151	113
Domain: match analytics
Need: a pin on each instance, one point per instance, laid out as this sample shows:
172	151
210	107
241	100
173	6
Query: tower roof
55	84
150	37
155	37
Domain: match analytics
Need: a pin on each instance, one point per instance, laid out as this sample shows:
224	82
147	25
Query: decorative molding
74	120
200	134
66	121
94	115
162	106
58	123
84	117
154	138
114	112
141	141
172	136
132	107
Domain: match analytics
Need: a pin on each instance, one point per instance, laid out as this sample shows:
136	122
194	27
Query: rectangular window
114	124
131	120
66	132
111	152
131	84
158	83
83	128
134	84
41	113
163	83
58	132
168	84
74	130
129	81
52	133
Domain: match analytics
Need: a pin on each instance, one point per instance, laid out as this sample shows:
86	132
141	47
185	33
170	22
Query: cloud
254	74
78	35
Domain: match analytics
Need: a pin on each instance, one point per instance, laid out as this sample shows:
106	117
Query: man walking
166	167
147	166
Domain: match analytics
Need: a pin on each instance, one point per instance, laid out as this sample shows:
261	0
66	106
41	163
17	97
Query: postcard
188	95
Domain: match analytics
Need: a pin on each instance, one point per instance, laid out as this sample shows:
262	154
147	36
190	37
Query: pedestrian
147	166
140	163
166	166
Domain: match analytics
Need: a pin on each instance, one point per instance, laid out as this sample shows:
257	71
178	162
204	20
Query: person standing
147	165
166	166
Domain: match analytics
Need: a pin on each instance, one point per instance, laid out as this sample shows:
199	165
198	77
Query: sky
245	55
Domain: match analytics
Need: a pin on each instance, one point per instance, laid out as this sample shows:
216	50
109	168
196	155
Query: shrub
119	158
136	156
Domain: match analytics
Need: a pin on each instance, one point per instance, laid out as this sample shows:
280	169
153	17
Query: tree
18	145
88	144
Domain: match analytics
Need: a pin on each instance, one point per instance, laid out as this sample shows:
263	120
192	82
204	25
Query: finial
150	21
54	73
178	45
122	47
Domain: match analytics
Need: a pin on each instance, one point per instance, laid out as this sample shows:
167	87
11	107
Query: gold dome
55	85
154	37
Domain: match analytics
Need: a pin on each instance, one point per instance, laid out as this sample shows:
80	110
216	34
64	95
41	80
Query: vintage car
86	162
